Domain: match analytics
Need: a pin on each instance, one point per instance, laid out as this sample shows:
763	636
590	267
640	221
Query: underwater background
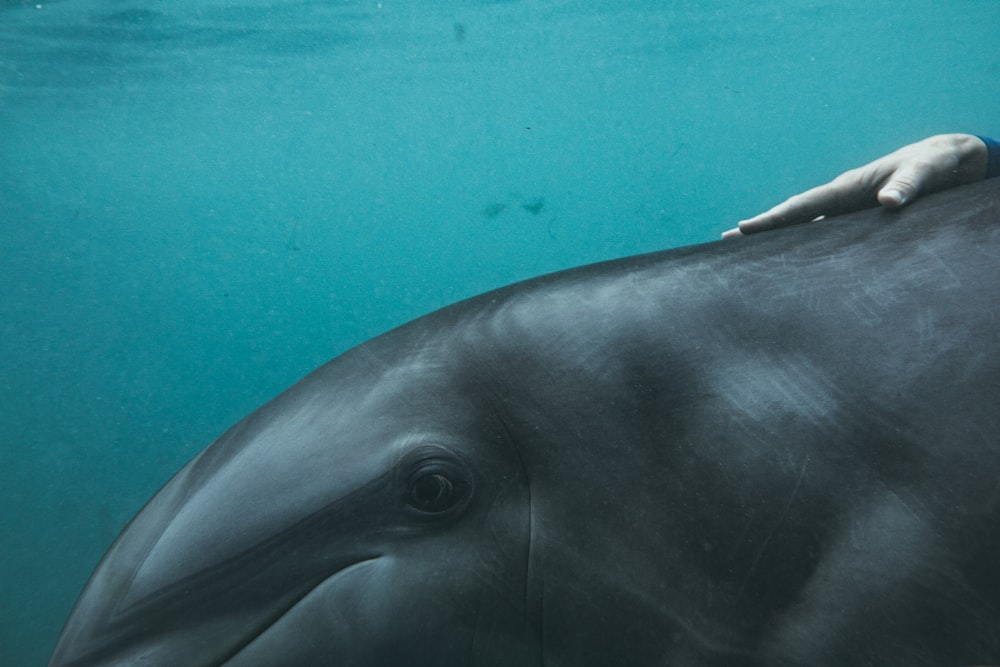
200	202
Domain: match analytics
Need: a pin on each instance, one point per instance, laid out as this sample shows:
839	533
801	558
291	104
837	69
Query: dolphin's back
793	439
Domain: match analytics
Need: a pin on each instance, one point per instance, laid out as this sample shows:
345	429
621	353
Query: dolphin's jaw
242	655
154	652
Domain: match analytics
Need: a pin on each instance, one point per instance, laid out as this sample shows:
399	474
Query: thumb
902	187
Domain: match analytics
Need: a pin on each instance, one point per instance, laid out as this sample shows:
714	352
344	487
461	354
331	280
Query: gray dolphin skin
782	450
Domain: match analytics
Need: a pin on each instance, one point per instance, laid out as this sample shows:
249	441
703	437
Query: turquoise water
202	201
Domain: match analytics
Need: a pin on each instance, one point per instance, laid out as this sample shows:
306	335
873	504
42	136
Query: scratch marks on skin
766	386
886	285
476	648
769	391
774	528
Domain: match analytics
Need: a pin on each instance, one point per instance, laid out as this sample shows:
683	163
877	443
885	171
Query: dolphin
782	450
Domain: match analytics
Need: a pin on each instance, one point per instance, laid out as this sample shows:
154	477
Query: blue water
202	201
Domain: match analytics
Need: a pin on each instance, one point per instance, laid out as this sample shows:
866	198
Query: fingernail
895	196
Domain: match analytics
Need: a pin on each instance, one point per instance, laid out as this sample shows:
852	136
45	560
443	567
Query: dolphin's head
483	486
346	522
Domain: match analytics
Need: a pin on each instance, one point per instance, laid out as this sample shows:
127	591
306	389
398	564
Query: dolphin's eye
437	484
432	493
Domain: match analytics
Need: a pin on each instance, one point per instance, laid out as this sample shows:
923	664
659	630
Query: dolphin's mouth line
270	622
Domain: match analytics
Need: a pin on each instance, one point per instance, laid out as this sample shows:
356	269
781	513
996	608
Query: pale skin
936	163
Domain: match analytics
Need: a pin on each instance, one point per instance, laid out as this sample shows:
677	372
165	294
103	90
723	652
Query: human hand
936	163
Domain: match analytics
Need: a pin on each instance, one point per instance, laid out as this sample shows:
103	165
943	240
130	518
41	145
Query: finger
801	208
904	185
892	197
786	213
